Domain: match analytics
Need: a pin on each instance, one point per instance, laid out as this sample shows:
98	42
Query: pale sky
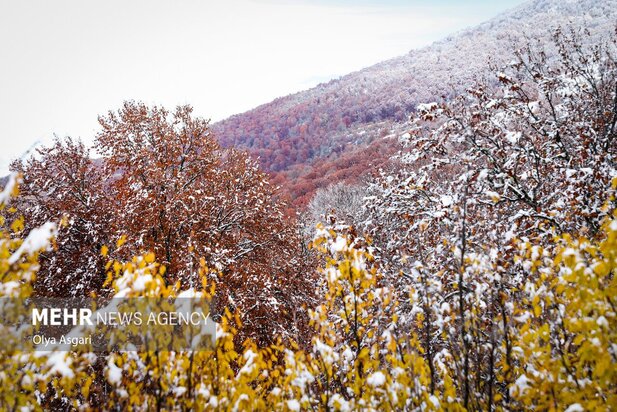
62	63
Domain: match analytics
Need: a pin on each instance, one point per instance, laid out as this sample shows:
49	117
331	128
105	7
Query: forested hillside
307	132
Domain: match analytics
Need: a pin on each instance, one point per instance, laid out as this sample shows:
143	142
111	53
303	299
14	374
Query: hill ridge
293	133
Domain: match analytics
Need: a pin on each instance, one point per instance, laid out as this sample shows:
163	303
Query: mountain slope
294	134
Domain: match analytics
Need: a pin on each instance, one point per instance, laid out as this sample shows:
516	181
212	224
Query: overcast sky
63	63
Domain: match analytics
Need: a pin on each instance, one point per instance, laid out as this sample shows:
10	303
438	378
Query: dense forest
318	131
461	258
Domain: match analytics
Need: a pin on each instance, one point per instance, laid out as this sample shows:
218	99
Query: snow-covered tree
340	201
530	158
163	184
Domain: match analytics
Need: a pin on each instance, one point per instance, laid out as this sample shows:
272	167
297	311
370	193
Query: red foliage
164	183
301	182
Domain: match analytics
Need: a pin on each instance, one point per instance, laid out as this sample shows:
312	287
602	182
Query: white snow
447	200
293	405
601	321
427	107
37	240
9	289
434	401
575	407
140	283
376	379
339	244
114	373
60	362
248	367
520	385
132	282
513	137
337	402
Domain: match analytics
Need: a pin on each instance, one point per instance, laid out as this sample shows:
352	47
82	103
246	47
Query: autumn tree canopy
161	183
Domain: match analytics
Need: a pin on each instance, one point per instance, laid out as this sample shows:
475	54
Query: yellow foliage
360	359
566	349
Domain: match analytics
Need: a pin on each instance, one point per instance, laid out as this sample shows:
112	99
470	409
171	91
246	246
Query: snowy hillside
333	118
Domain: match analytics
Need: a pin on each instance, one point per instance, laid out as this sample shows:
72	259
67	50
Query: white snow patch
293	405
447	200
434	401
376	379
9	289
248	367
140	283
601	321
427	107
339	244
520	385
513	137
575	407
59	362
38	239
114	373
337	402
